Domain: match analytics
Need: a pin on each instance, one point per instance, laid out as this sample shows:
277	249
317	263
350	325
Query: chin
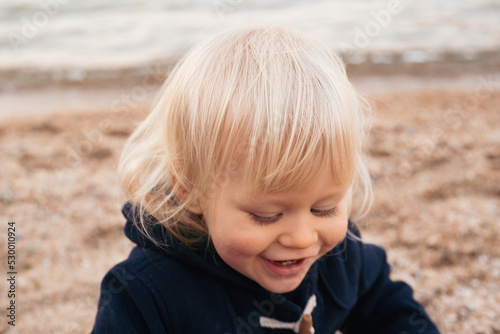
282	286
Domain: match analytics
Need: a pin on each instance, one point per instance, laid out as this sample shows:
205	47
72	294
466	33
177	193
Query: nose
300	234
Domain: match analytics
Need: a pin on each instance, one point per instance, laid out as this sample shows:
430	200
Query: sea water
74	38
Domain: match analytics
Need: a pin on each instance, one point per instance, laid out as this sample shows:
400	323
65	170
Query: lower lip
284	271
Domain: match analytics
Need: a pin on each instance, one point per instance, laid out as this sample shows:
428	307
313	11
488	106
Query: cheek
335	233
238	242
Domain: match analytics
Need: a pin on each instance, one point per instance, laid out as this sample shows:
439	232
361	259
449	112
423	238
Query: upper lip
294	256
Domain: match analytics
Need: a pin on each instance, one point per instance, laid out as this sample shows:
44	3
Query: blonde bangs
274	104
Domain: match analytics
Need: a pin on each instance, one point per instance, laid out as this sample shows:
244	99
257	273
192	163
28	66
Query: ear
182	194
195	208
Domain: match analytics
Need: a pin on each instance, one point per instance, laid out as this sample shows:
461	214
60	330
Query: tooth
284	263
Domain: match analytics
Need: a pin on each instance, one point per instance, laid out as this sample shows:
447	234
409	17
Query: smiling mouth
287	268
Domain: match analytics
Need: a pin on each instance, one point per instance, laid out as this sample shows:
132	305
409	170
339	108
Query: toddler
242	183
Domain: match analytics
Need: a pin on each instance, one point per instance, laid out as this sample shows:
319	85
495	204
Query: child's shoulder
154	291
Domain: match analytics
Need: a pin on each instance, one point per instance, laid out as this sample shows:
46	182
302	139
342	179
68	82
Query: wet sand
434	156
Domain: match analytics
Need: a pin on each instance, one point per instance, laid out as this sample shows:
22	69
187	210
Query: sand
434	156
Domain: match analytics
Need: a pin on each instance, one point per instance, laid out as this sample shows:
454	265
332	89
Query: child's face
274	238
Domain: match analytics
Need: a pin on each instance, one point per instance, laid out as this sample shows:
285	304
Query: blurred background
48	42
76	77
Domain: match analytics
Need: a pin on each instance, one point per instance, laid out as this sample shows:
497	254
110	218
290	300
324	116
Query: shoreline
416	62
140	89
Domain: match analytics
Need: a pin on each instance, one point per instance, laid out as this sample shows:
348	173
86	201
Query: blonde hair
268	104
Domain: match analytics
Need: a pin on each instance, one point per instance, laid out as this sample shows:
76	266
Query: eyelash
327	213
265	220
269	220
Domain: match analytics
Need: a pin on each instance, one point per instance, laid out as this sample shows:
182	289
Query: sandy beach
433	153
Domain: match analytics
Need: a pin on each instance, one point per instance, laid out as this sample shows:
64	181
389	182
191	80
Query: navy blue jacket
178	290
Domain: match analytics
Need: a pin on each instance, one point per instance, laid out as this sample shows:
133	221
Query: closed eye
326	213
265	220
